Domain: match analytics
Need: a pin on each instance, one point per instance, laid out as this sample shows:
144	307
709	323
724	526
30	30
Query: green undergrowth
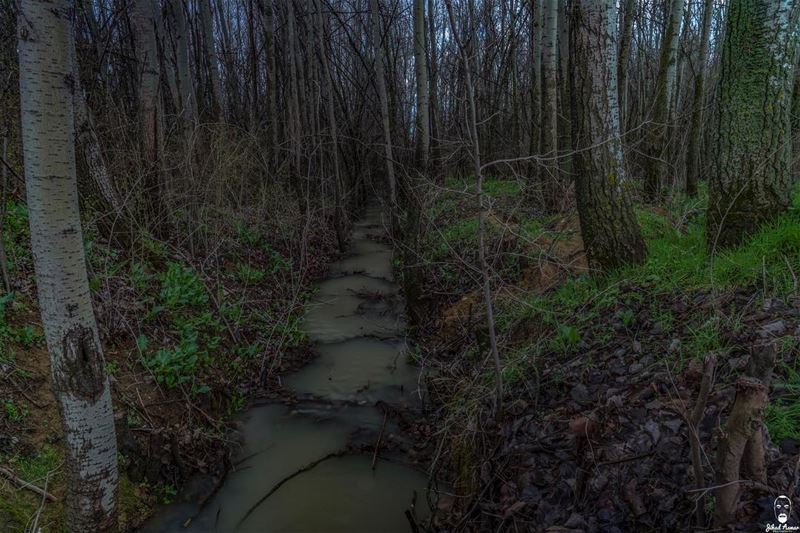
187	324
677	262
45	468
577	315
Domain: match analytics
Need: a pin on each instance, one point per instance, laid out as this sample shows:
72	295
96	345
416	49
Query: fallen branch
288	478
380	437
21	483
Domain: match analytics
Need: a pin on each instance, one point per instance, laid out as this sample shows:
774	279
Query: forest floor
191	331
600	373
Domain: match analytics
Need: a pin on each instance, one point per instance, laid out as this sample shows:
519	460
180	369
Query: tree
548	172
79	380
662	114
751	179
609	228
421	71
327	81
144	27
210	58
187	106
698	106
383	100
472	126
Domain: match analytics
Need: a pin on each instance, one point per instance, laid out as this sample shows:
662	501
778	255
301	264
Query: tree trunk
87	141
548	170
211	59
79	381
609	228
149	79
624	52
338	193
380	83
421	69
187	105
662	115
266	8
536	101
434	92
751	181
253	121
698	105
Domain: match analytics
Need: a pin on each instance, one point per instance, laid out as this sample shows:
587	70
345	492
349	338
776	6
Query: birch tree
609	228
549	136
80	385
751	179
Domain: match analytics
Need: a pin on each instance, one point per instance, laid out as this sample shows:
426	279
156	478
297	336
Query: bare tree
421	71
380	83
472	127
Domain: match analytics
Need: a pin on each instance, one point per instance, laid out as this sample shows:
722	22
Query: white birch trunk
79	380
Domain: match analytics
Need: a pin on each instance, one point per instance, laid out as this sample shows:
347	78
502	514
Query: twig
35	527
26	485
380	437
694	432
285	480
411	522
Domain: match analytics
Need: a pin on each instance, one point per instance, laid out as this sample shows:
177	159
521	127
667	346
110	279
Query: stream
356	324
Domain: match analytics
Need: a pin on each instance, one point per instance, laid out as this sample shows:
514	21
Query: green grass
783	415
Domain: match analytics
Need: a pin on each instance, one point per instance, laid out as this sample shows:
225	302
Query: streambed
356	324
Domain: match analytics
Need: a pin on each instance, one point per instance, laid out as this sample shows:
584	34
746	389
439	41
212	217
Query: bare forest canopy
592	213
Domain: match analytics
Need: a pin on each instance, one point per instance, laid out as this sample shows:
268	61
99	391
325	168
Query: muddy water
356	325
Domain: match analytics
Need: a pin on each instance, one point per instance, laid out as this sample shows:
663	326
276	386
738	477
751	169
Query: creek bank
330	453
187	338
600	373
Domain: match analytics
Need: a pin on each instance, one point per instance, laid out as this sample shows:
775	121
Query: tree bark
87	141
143	19
187	104
79	381
548	170
421	70
751	180
626	22
662	115
211	59
609	228
698	105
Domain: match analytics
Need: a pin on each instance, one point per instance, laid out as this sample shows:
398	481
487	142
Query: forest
399	265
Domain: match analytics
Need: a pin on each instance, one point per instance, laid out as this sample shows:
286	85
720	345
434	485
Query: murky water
356	323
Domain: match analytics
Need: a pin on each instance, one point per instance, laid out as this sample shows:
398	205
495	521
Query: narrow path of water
356	324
